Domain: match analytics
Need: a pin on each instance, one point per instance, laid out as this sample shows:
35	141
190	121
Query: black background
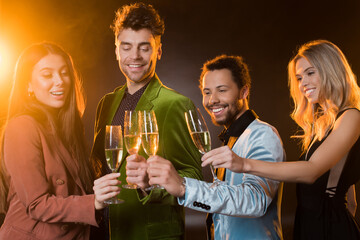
265	33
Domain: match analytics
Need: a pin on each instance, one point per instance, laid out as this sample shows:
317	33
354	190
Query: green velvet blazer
158	215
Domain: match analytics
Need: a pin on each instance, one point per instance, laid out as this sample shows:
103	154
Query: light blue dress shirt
245	206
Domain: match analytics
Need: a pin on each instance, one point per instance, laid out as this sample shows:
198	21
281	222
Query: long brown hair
67	123
339	90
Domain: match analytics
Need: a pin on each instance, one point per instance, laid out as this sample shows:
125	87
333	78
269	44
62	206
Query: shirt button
59	181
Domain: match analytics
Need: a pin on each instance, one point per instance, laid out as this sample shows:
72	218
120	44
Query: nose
58	80
135	53
213	98
304	81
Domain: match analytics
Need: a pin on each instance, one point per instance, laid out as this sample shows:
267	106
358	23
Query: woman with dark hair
46	178
327	107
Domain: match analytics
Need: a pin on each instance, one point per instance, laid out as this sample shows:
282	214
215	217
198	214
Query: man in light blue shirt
243	206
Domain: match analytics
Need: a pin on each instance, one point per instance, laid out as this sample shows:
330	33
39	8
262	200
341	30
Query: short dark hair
138	16
238	68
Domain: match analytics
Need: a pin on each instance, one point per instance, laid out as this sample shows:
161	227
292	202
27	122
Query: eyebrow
220	86
140	44
307	69
51	69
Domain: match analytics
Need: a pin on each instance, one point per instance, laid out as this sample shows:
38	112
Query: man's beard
230	116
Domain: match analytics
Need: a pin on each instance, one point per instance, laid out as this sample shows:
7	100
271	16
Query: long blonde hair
67	124
338	90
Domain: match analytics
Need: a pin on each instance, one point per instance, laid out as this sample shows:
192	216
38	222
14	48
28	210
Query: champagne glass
131	138
149	136
113	153
200	136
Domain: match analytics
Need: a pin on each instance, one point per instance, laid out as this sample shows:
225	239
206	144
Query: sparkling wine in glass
149	136
113	153
200	136
132	137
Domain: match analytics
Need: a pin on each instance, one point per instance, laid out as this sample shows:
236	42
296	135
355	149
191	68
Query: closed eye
145	49
46	75
125	46
311	73
65	73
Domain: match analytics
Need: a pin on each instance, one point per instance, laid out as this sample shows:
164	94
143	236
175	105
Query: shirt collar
138	93
238	126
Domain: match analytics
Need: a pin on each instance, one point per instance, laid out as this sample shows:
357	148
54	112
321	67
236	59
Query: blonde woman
326	106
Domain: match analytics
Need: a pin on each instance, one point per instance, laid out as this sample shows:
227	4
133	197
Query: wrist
98	205
183	188
246	165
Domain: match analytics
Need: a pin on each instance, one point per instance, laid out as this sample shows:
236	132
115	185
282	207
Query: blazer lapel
145	103
151	93
220	172
113	101
69	163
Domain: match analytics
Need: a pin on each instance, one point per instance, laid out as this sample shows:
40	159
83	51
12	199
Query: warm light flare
6	62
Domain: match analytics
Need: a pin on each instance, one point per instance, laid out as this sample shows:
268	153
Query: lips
308	91
57	93
217	110
135	66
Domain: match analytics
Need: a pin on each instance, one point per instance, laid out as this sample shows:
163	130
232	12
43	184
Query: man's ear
244	92
117	52
159	52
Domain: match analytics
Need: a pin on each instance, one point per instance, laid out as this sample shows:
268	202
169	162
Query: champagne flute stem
216	181
213	173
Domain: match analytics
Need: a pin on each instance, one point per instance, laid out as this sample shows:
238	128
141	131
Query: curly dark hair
238	68
138	16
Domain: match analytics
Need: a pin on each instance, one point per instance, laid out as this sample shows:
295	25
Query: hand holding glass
131	137
149	136
200	136
113	153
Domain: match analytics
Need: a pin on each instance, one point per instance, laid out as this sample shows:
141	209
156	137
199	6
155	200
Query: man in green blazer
153	214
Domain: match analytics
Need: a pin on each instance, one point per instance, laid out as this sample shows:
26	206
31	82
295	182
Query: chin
218	122
57	106
313	101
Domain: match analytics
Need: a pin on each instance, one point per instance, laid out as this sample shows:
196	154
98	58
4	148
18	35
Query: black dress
321	212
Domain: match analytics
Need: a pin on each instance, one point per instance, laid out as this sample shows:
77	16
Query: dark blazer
157	215
46	197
